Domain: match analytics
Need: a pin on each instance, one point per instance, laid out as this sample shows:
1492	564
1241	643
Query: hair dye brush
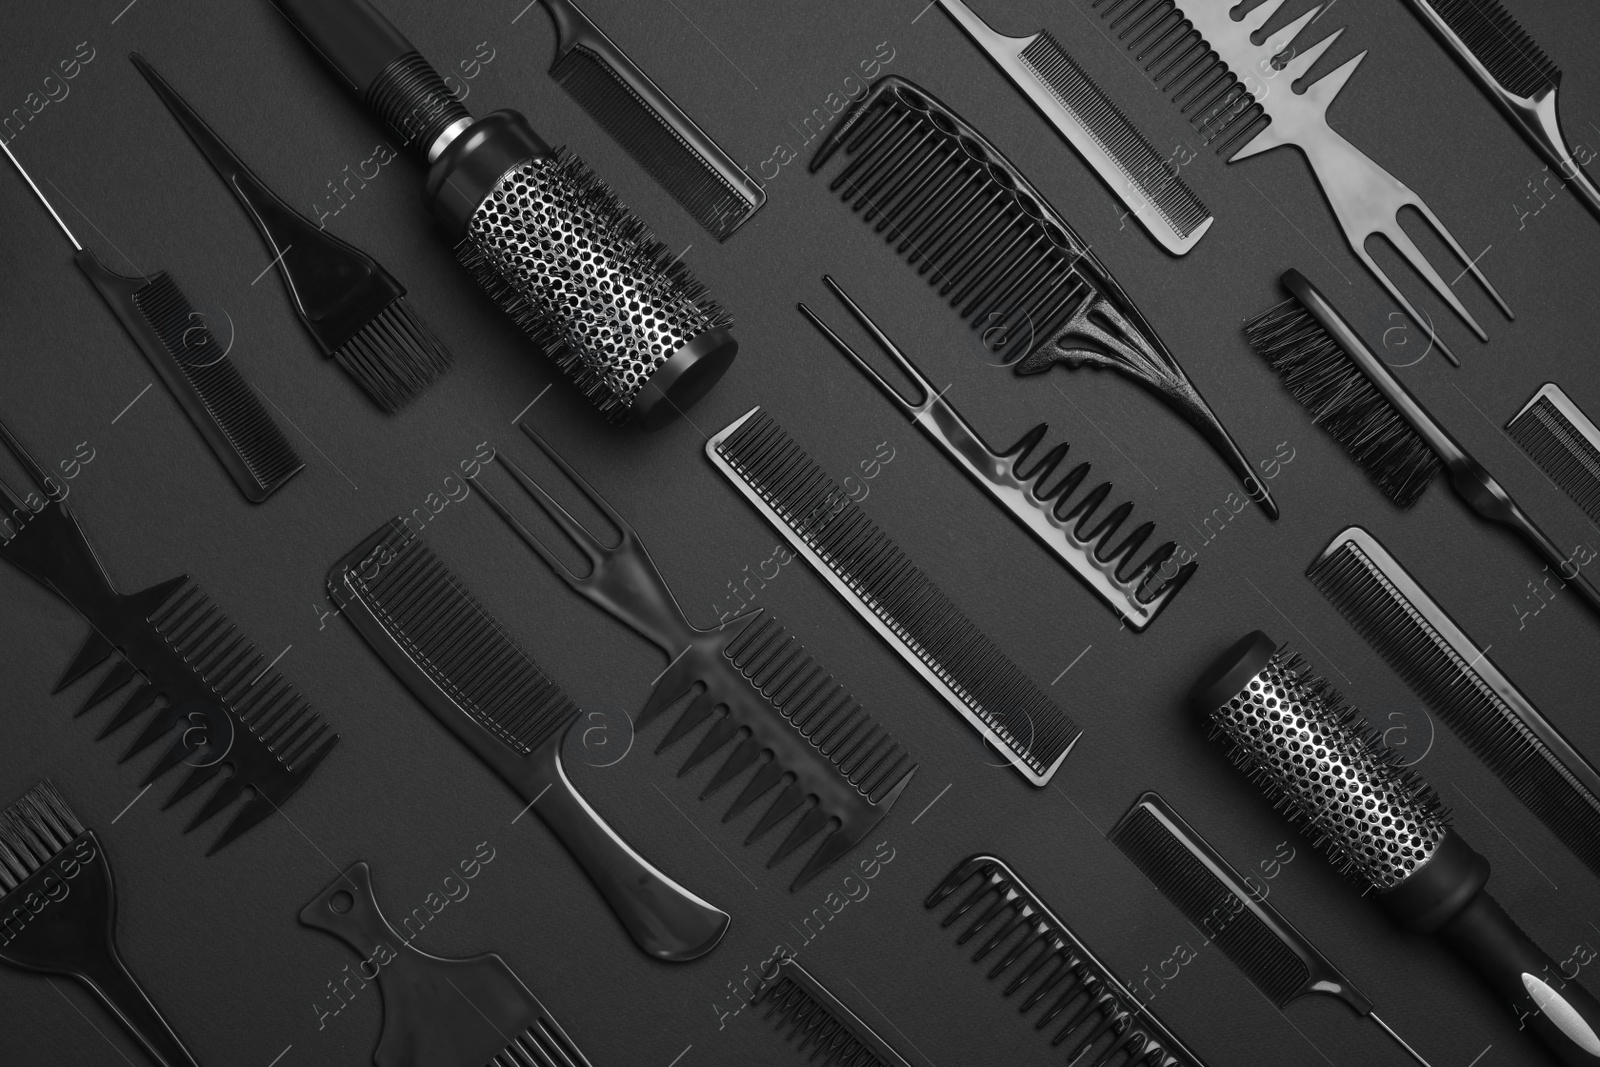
1323	766
545	237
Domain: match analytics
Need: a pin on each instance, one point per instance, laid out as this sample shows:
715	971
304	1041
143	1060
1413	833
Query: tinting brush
622	316
353	308
1329	771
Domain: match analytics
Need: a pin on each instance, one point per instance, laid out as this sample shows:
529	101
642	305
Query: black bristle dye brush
1352	394
192	364
546	239
353	308
1328	771
58	915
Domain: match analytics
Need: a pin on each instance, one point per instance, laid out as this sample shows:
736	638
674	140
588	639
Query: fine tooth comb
440	1012
353	308
181	652
1276	957
1516	74
1193	49
1133	590
1354	395
1562	442
60	904
475	679
1047	960
893	596
1093	125
821	1026
777	701
1021	277
663	140
195	369
1455	678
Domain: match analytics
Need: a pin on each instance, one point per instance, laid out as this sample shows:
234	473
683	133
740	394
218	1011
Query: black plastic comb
821	1026
831	758
1563	442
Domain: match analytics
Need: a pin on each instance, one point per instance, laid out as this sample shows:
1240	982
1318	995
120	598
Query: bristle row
801	1018
1500	44
1558	448
395	356
33	831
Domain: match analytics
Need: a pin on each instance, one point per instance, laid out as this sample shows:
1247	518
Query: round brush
1381	823
539	231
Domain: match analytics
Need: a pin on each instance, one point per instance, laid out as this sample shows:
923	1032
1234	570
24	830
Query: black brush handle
108	979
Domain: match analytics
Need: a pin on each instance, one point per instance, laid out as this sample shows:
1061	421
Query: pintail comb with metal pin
1196	52
221	704
793	723
821	1027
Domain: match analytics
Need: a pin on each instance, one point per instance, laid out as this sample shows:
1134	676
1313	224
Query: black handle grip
110	981
351	35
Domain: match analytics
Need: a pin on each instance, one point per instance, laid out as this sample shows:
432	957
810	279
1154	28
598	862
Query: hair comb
808	1014
1559	438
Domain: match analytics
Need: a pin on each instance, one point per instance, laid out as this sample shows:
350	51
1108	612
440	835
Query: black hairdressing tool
1563	442
353	308
480	684
807	1013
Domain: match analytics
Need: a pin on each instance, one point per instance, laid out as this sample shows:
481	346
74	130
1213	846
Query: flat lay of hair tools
481	686
60	907
1227	910
633	331
1385	827
893	596
1562	442
963	215
819	1025
438	1012
192	364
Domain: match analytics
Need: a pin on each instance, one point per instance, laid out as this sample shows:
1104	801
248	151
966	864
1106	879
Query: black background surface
216	940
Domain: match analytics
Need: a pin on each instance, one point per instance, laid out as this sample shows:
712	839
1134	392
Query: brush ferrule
446	136
1436	892
472	160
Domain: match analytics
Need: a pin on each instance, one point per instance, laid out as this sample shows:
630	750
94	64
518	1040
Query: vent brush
668	144
1516	74
793	724
1213	896
1093	125
1354	395
1020	276
1068	530
1562	442
1194	51
219	701
353	308
470	674
1103	1021
1455	678
439	1012
820	1025
1384	826
197	372
60	908
632	330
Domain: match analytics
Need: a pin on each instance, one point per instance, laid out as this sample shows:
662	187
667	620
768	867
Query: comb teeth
1500	44
32	832
395	356
806	1013
1563	443
544	1044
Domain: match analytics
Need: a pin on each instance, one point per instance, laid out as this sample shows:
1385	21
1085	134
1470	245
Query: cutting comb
776	701
222	703
808	1014
1562	442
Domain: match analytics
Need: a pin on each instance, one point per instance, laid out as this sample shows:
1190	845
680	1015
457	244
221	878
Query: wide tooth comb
819	1023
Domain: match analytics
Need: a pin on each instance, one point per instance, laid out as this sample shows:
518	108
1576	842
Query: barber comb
820	1025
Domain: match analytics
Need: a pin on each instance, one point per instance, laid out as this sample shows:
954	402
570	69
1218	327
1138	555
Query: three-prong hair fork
795	725
1067	529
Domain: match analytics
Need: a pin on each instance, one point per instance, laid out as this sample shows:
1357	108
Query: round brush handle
108	978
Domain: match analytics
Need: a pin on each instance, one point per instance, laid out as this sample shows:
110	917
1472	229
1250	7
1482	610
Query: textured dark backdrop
216	940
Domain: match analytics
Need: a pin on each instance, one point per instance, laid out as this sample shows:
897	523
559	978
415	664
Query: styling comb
793	722
1101	1021
1562	442
893	596
439	1012
1020	276
192	365
1276	957
1455	678
1096	128
475	679
1195	52
353	308
820	1025
1357	398
1069	530
220	701
668	144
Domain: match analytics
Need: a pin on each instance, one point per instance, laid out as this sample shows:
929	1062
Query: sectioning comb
1049	960
893	596
819	1023
353	308
1021	277
655	132
777	702
474	678
1562	442
1133	590
195	369
220	701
